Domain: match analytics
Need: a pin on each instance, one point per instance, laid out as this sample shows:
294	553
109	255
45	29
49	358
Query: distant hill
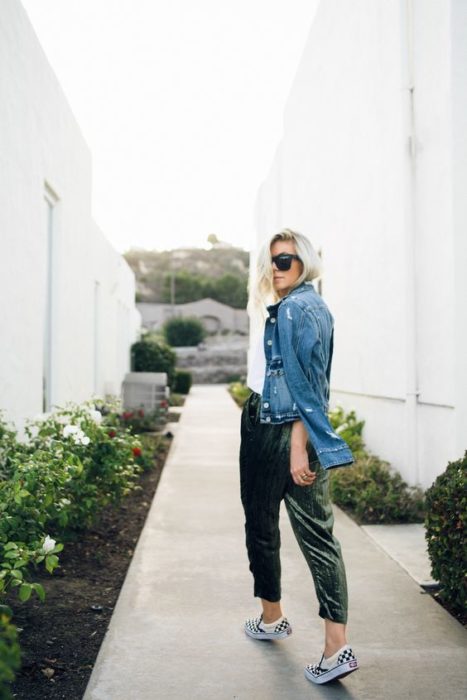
220	273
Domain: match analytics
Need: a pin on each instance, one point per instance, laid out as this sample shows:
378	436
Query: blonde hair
261	288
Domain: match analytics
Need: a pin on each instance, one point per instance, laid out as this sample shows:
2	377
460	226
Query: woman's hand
299	462
300	468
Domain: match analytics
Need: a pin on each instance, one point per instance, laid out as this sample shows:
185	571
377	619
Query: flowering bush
93	463
141	421
75	461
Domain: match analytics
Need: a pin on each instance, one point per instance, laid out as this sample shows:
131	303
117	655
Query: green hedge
183	332
149	355
183	381
445	523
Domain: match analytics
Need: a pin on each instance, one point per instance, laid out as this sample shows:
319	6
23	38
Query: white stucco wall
383	196
43	154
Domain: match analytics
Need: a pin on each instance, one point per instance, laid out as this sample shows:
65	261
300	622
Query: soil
60	638
460	615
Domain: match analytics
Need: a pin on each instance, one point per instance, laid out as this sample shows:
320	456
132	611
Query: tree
188	287
213	239
231	290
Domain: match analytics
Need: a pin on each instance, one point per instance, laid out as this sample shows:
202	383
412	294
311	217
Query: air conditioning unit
144	390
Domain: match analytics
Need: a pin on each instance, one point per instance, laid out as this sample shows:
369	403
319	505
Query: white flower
70	430
48	544
79	437
96	416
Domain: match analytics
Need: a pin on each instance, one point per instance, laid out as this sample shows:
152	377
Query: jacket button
273	320
269	342
268	419
265	404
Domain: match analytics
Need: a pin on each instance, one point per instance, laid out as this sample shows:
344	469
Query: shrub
182	332
446	515
239	392
141	421
151	356
75	461
374	493
176	399
92	462
349	428
183	381
9	652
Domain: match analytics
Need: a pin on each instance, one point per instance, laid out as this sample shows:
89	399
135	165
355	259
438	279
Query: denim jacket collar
303	287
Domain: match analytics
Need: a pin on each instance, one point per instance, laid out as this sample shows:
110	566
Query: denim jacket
298	345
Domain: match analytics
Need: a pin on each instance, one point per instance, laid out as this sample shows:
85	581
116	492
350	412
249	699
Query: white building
373	167
66	296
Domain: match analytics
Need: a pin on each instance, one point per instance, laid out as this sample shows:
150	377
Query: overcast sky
181	104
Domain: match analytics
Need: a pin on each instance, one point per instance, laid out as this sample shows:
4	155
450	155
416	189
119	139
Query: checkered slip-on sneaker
339	665
253	628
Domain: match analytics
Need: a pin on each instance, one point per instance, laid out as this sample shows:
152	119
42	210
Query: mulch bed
60	638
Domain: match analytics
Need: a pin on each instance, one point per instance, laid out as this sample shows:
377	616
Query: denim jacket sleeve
298	334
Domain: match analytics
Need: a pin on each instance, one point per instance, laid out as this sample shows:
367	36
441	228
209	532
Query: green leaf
39	590
10	545
11	554
16	573
25	591
51	562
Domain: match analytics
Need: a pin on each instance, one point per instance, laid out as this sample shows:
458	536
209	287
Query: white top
257	367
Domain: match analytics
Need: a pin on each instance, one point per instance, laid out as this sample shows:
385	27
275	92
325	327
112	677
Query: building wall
82	334
215	315
373	171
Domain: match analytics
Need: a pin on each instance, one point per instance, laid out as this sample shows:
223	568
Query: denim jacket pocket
278	386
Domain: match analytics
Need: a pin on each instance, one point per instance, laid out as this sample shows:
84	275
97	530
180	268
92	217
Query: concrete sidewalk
177	629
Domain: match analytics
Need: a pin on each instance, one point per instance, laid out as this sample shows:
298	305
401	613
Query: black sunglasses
283	261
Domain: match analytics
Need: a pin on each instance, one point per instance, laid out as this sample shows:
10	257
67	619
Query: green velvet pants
265	480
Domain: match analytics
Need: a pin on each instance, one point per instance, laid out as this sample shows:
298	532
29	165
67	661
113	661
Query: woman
288	445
